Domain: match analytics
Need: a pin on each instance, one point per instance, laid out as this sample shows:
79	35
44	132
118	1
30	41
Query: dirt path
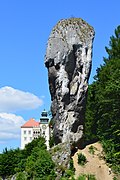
95	165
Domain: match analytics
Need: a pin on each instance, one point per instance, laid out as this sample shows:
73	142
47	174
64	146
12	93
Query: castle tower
44	126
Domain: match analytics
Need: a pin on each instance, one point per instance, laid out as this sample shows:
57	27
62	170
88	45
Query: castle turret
44	117
44	125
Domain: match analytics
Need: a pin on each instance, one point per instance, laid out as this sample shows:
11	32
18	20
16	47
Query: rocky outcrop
61	157
68	59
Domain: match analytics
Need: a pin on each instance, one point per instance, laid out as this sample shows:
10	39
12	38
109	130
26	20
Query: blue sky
25	26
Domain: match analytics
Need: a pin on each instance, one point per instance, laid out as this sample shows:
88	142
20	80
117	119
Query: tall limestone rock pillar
68	60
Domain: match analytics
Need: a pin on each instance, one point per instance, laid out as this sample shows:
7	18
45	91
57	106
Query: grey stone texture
68	60
61	155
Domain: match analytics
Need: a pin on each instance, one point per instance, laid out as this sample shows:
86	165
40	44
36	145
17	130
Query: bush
92	149
88	177
91	177
41	168
115	178
51	141
21	176
71	165
82	177
81	159
69	173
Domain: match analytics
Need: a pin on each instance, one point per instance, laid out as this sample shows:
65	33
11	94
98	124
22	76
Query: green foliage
40	165
115	178
82	177
91	115
62	168
114	50
21	165
21	176
39	142
102	112
8	162
81	159
71	165
92	149
91	177
68	173
57	148
51	141
35	160
86	177
29	149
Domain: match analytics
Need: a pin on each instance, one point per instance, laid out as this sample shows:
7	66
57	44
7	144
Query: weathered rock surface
68	59
61	155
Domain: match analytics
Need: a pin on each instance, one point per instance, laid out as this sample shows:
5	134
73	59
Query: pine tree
114	50
104	108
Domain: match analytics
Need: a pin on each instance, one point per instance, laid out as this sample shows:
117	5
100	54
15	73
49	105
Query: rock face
68	59
61	157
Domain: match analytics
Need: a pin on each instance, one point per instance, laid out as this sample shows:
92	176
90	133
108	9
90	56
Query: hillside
95	163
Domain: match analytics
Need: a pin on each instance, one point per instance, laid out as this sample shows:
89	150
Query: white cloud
10	126
12	100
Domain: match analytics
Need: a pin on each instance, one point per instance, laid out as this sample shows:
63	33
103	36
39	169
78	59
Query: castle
33	129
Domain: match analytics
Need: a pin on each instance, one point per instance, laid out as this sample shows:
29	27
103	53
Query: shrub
62	168
82	177
41	168
91	177
81	159
21	176
56	148
71	165
91	149
51	141
88	177
68	173
115	178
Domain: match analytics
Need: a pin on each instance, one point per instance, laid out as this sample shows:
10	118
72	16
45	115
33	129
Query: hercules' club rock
68	59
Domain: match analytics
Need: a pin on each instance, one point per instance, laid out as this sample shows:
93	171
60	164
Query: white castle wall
30	133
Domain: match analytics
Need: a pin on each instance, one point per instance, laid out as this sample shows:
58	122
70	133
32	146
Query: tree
114	50
34	162
90	116
40	165
9	161
33	146
103	114
30	146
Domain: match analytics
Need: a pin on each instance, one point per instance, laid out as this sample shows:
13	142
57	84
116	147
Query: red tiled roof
31	123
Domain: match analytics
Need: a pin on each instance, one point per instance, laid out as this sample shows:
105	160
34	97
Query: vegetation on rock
81	159
92	149
86	177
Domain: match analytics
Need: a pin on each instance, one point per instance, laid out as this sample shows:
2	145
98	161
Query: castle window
30	138
25	132
25	138
29	132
